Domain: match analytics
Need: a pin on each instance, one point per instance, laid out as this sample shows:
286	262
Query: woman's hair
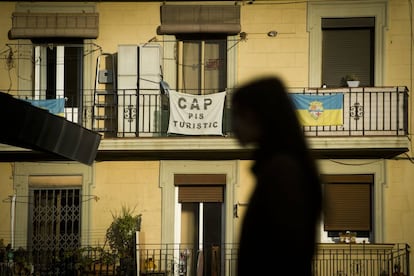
268	99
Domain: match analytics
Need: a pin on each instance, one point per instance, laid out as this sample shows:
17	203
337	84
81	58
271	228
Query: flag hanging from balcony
319	110
54	106
196	114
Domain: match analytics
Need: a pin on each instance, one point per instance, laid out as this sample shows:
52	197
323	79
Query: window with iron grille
54	219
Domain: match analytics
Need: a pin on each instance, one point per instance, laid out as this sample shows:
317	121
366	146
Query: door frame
169	194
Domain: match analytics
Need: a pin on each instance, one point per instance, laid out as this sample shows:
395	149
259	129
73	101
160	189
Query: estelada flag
319	110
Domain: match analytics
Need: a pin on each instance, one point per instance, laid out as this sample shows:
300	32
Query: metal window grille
55	219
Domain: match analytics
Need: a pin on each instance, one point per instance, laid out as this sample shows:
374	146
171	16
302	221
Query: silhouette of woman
279	228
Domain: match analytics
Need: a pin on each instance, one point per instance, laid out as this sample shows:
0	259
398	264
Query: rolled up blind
182	19
42	25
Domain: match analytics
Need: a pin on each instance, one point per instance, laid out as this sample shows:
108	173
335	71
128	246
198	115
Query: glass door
201	238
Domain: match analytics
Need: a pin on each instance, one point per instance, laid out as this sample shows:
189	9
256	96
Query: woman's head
262	113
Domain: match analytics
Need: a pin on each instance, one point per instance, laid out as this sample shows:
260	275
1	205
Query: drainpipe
12	218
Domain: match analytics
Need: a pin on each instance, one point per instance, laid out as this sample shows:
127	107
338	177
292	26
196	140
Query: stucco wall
399	202
126	23
6	191
131	184
7	69
399	191
136	184
285	55
246	184
398	69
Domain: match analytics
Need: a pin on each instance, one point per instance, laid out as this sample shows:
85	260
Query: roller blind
182	19
42	25
201	193
55	180
200	187
206	179
348	202
348	48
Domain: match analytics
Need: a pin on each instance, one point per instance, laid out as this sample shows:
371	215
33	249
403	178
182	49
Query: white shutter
139	67
149	89
127	90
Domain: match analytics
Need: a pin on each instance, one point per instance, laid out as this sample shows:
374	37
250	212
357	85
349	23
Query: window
59	33
348	204
222	173
202	66
54	222
64	185
202	59
58	74
201	197
317	11
55	219
200	187
348	48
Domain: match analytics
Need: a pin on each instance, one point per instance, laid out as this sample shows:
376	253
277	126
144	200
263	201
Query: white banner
196	114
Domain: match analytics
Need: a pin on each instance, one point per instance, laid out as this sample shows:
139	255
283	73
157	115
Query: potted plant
350	80
121	236
3	252
90	260
22	264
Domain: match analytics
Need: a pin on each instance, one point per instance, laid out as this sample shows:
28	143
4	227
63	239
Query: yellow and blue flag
54	106
319	110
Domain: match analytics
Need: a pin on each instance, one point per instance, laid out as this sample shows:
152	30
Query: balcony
329	259
134	124
184	259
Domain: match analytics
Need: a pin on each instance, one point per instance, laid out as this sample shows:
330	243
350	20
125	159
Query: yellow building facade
140	172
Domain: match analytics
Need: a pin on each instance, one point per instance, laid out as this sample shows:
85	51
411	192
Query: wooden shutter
348	202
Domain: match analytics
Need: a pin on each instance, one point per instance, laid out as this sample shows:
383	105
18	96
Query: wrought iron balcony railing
330	259
367	111
184	259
